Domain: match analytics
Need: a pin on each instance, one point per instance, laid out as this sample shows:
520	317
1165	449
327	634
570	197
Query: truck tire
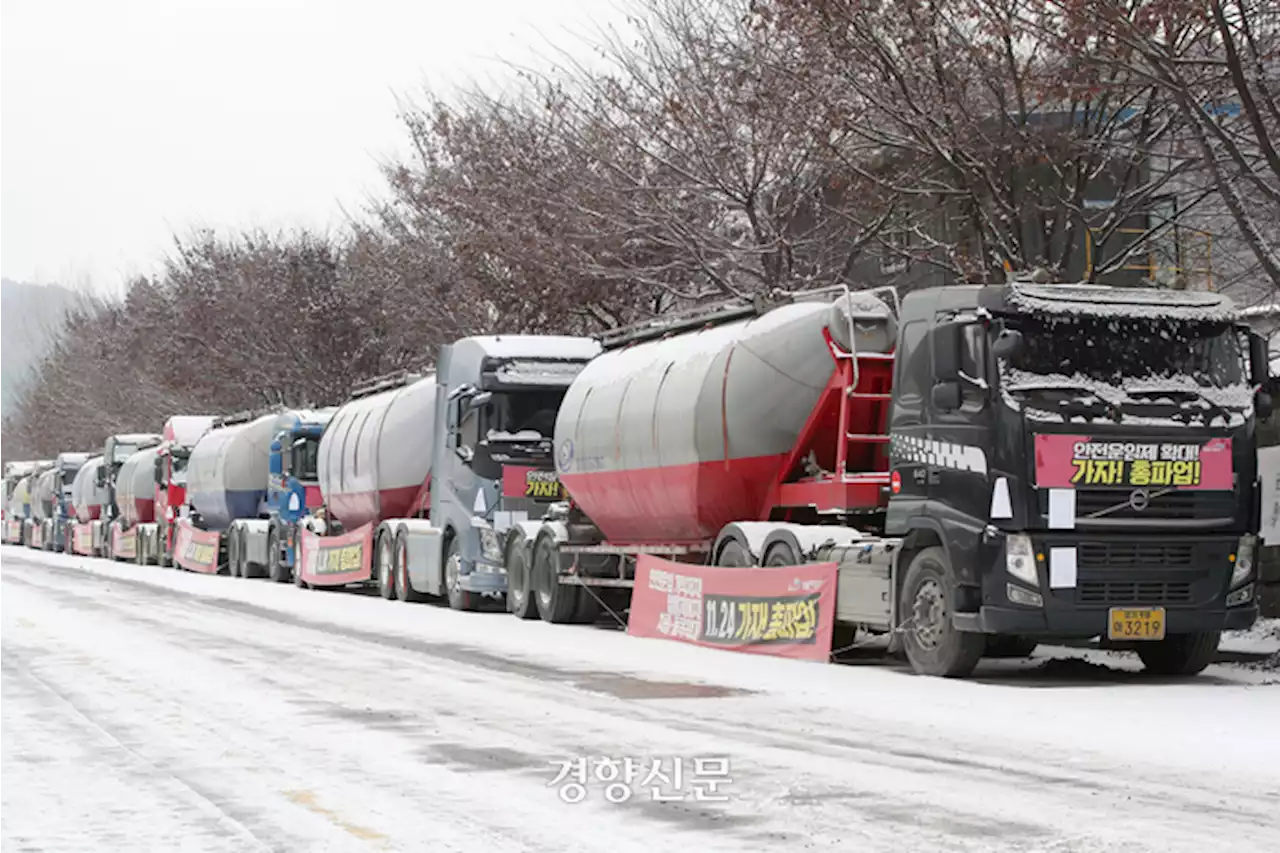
404	589
520	594
1180	654
557	602
248	568
932	644
781	554
276	569
734	555
233	552
386	569
588	609
459	598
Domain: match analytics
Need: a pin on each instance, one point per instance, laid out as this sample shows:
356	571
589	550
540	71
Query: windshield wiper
1096	406
1212	409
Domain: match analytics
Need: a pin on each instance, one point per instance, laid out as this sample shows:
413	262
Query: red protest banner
194	549
787	611
124	543
37	536
1071	461
335	560
82	539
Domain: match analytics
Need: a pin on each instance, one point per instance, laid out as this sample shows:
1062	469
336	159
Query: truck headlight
490	547
1020	558
1243	566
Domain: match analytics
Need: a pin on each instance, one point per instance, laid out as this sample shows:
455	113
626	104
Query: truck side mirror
946	395
946	351
1259	358
1008	344
1263	405
159	464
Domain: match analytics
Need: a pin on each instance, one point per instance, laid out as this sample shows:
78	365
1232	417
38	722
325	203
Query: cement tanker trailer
67	467
14	510
235	491
44	492
980	477
421	475
683	428
135	505
88	500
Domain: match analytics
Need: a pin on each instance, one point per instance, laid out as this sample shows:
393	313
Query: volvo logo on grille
1139	500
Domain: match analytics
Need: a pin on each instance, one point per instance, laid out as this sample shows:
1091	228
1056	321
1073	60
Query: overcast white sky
125	121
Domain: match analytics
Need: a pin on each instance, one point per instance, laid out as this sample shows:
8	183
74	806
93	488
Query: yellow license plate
1140	624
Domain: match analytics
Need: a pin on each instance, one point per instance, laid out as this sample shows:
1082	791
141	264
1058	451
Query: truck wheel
781	554
519	578
386	571
557	603
588	609
1009	646
932	644
248	569
1180	654
404	590
233	552
276	569
459	598
733	555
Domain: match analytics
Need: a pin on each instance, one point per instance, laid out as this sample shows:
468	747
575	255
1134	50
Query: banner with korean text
196	549
787	611
1072	461
335	560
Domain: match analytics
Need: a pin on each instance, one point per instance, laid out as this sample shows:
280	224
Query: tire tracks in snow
882	777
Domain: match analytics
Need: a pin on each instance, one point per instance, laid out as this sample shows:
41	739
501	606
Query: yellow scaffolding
1179	251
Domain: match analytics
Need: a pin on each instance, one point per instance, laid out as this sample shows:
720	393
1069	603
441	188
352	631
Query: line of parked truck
989	466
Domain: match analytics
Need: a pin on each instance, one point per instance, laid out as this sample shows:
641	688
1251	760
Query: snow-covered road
149	709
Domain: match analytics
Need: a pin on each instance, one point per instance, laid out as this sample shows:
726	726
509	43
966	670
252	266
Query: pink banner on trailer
13	531
124	543
787	611
82	539
336	560
194	549
37	536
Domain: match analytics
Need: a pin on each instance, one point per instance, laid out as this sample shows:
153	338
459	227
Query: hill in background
30	317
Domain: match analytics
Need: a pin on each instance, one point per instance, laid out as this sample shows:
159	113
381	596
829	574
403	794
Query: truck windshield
124	451
1123	352
304	463
523	415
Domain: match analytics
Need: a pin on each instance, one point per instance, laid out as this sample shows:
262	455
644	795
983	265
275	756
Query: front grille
1133	592
1135	555
1113	504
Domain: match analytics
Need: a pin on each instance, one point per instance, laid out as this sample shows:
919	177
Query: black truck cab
1083	460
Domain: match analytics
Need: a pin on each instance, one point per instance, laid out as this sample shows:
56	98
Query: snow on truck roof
1134	302
536	346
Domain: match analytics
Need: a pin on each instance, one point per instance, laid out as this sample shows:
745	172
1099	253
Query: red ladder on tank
848	433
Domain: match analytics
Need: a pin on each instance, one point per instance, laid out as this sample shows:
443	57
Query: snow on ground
154	709
1262	639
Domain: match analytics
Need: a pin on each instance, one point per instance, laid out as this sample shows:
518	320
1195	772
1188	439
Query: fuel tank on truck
375	454
669	440
136	487
228	470
87	497
43	490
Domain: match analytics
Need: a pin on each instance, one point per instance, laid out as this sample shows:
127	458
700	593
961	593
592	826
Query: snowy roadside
1045	708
